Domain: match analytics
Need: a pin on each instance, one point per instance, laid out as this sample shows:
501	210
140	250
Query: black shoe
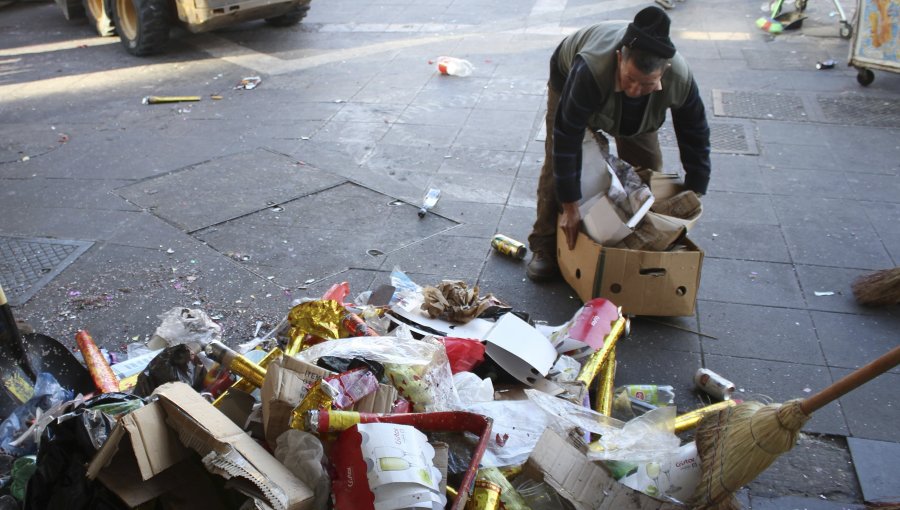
541	267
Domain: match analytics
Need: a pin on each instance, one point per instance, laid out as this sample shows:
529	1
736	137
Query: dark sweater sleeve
692	132
578	99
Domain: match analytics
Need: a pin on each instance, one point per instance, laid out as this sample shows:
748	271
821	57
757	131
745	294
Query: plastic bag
472	389
646	438
564	370
518	424
672	477
17	435
464	353
173	364
419	369
189	326
302	452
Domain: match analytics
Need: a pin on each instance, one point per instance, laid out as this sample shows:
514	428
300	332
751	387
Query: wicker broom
881	288
740	442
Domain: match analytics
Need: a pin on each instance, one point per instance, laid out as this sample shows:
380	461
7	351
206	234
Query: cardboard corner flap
582	482
230	450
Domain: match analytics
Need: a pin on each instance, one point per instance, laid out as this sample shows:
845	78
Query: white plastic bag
472	389
189	326
302	452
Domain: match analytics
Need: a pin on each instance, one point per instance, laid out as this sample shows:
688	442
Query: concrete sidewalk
113	211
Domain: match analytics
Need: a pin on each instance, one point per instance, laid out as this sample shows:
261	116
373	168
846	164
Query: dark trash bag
173	364
66	448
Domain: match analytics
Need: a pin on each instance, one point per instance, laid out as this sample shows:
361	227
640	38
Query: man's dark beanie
650	32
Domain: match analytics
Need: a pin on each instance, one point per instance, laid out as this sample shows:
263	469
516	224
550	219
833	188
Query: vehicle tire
865	77
143	25
95	10
292	17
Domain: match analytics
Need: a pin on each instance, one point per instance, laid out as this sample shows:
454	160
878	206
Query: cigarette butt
169	99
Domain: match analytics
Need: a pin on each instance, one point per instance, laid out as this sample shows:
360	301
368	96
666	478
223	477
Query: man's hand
571	220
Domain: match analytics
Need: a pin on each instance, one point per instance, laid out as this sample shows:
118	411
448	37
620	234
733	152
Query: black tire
143	25
292	17
95	10
865	77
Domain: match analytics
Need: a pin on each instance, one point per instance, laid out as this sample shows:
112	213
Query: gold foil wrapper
320	396
690	420
485	496
593	366
244	384
606	388
321	318
250	371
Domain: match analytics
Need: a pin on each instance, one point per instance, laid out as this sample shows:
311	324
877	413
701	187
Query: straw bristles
881	288
737	444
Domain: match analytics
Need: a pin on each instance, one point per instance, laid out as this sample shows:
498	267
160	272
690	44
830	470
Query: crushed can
509	246
714	384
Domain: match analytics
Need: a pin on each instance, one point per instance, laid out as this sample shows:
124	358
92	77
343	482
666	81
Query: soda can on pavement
509	246
714	384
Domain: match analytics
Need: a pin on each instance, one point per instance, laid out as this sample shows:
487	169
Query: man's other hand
571	220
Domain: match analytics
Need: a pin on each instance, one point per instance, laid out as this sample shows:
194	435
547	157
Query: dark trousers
640	151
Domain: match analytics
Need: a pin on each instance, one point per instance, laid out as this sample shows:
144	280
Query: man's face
633	82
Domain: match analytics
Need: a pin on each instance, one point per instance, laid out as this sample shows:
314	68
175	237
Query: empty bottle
454	66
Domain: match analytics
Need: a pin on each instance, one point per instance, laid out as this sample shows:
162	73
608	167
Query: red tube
101	372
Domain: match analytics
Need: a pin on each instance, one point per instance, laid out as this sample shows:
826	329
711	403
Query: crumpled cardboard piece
454	301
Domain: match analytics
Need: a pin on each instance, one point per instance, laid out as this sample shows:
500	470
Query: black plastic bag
173	364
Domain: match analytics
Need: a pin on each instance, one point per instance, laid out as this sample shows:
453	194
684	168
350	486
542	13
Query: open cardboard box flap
229	451
286	384
582	482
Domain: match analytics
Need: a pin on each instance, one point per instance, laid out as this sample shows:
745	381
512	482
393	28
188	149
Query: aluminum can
509	246
485	496
714	384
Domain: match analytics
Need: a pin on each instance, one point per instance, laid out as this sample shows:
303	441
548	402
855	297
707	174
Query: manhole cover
859	110
758	105
726	138
27	264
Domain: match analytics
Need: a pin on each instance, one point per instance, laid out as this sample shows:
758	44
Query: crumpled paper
454	301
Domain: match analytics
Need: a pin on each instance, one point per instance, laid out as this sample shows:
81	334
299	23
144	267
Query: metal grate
859	110
726	138
28	264
759	105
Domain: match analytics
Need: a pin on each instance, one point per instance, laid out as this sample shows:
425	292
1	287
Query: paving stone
524	193
434	115
666	333
851	341
359	280
816	472
481	162
724	239
495	129
226	188
516	222
760	332
638	365
872	411
876	463
892	245
778	382
85	224
822	213
475	220
489	188
510	100
446	257
369	112
351	132
64	193
530	168
836	247
830	184
735	173
553	302
885	217
422	135
748	282
799	133
832	279
739	208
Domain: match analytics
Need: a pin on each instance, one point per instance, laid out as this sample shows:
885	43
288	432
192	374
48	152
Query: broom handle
851	381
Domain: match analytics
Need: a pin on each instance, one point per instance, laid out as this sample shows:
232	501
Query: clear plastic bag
188	326
302	453
473	389
19	430
419	369
518	424
643	439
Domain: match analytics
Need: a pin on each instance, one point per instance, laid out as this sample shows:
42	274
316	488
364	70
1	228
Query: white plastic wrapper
565	369
518	424
643	439
672	477
189	326
302	452
472	389
419	369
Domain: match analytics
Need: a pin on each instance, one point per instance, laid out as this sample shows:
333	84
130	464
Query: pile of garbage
405	397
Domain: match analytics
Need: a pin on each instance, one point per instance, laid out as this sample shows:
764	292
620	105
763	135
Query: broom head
881	288
740	442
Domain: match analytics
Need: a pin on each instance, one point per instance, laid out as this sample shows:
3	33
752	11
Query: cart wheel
846	29
865	77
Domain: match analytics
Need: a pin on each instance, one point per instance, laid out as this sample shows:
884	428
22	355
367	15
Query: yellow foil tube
591	369
320	396
690	420
169	99
452	492
606	387
245	385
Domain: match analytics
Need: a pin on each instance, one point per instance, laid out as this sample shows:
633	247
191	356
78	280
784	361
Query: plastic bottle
454	66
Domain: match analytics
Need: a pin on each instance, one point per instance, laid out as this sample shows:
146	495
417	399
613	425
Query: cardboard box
585	484
228	451
286	383
602	222
641	282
